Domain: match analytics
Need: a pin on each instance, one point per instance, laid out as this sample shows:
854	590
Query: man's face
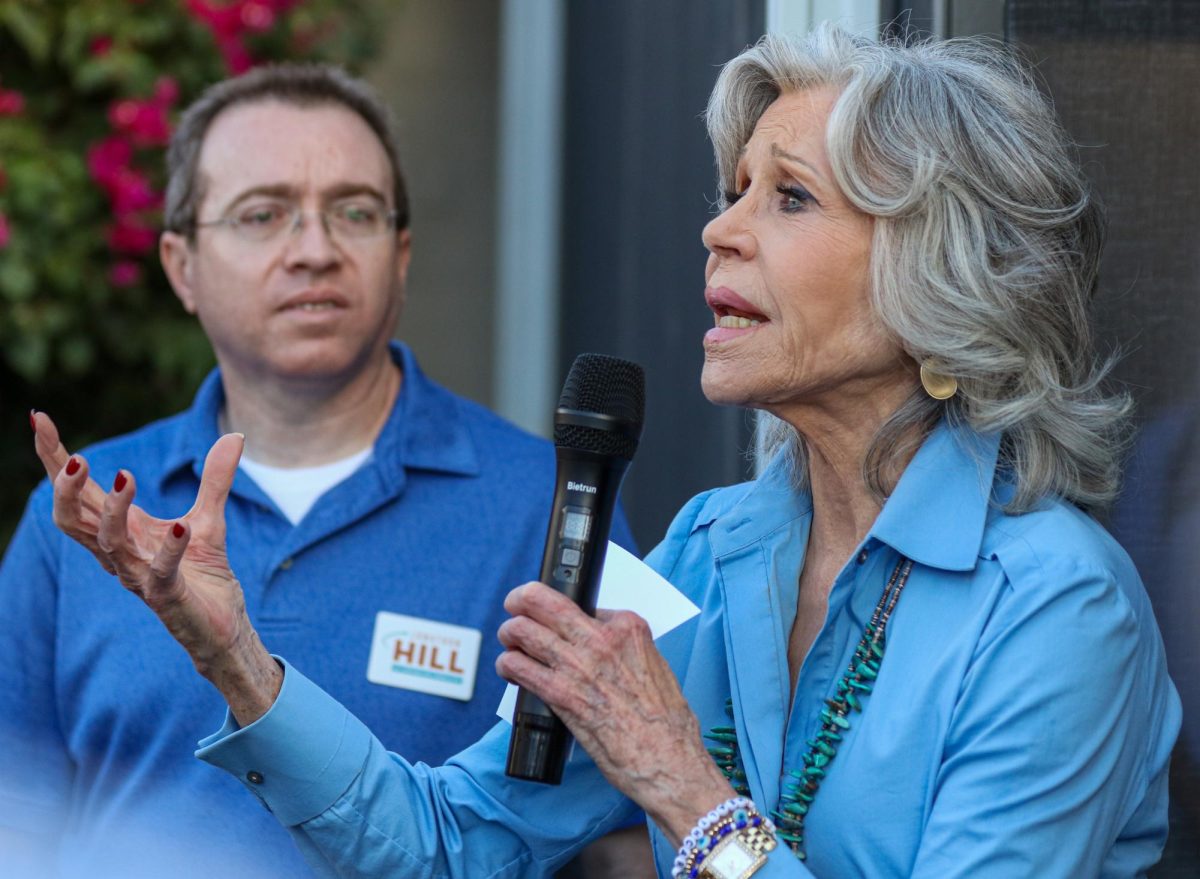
304	305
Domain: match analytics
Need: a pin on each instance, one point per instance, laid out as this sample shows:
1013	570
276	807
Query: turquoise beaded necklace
852	690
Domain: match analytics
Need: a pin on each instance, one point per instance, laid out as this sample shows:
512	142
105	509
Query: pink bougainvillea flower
237	56
11	103
131	192
129	235
5	232
125	273
223	19
229	22
145	122
166	91
100	46
258	16
107	158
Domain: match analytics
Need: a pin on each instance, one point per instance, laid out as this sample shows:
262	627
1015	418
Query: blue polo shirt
99	707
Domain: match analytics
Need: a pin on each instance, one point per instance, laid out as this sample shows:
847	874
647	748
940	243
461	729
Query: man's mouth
314	301
312	306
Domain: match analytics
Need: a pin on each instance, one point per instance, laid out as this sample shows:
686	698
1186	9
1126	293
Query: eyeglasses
265	221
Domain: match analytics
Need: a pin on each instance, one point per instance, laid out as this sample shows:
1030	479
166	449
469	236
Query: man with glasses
377	518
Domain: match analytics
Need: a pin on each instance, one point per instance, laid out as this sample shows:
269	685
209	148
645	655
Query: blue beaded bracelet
731	816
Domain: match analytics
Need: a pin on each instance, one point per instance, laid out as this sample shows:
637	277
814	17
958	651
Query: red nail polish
177	530
119	482
72	466
33	419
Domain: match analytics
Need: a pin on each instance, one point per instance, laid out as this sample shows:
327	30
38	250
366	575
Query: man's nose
310	243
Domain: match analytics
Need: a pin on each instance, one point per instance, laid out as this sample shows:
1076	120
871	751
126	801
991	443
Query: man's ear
403	258
175	254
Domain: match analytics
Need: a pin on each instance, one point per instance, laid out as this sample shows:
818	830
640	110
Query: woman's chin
723	388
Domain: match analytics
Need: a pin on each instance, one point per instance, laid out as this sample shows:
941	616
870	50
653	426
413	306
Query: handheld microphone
597	426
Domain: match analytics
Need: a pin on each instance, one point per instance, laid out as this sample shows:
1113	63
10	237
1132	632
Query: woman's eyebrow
778	153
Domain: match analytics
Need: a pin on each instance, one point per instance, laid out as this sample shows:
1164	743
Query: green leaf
17	282
28	355
29	28
76	353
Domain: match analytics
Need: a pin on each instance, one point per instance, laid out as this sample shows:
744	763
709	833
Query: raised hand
607	681
177	567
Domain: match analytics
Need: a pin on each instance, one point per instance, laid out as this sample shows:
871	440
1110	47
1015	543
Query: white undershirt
295	489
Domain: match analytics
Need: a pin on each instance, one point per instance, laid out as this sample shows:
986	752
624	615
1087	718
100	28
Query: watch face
732	860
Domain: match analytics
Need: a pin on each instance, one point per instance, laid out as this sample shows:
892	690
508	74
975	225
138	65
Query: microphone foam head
611	389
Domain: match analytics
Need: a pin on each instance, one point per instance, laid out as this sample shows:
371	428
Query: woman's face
787	279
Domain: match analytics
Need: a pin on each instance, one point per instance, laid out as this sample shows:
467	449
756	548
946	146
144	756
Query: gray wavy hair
985	253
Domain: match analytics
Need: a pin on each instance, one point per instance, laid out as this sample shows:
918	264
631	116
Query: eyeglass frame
390	218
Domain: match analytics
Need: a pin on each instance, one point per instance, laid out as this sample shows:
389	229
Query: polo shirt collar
426	429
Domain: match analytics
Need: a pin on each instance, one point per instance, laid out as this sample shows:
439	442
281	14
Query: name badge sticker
424	656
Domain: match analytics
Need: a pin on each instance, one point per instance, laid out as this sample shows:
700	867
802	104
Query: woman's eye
795	198
729	198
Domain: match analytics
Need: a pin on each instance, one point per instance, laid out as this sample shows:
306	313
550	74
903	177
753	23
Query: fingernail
177	530
33	419
119	482
73	466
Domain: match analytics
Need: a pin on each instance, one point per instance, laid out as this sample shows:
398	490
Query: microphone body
596	429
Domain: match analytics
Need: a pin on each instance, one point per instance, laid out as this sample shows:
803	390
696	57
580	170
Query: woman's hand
177	567
608	683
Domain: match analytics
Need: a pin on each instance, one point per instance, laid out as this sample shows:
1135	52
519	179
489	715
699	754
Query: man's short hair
302	85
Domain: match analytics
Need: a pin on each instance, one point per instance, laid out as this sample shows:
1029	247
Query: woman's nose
728	234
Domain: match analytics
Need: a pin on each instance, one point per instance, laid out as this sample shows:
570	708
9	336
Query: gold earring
938	385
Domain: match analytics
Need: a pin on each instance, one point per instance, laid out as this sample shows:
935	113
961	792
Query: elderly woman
917	653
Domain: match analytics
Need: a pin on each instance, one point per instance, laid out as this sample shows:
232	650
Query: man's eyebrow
346	190
288	191
272	190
